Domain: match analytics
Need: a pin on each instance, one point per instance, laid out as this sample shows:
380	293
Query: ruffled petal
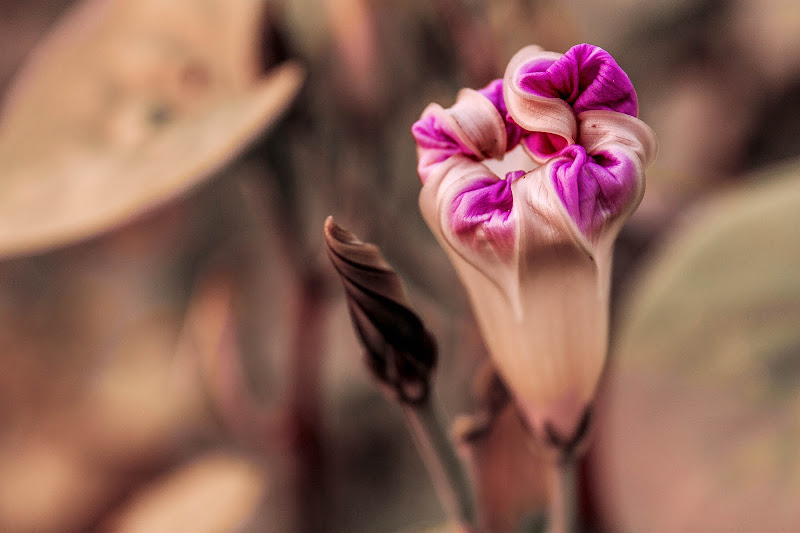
544	91
602	179
482	211
594	188
550	122
586	77
471	211
473	127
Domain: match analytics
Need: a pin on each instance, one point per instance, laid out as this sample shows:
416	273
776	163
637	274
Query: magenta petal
586	77
483	210
597	188
436	142
473	127
543	145
494	92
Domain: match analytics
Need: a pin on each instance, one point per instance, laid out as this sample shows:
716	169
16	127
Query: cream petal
480	122
554	355
601	129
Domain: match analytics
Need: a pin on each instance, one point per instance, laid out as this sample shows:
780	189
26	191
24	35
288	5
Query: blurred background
175	348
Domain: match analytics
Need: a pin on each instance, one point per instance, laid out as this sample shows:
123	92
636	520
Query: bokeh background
186	362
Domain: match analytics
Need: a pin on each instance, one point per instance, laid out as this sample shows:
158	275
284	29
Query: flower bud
533	248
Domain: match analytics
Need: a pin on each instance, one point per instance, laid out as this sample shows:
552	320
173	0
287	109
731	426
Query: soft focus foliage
708	373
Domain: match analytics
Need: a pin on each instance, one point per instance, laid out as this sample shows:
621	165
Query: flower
533	248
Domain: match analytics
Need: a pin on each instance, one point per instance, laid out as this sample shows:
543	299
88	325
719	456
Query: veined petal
602	179
470	211
586	77
473	127
595	189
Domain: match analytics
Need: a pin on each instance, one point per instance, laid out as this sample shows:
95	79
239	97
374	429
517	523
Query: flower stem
305	405
563	497
450	479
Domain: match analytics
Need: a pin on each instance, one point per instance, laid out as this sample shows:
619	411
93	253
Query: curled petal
596	188
473	127
544	91
470	210
494	92
541	145
550	120
482	212
586	77
601	129
602	179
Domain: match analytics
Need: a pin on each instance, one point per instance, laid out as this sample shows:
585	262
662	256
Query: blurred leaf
702	425
444	528
126	105
212	494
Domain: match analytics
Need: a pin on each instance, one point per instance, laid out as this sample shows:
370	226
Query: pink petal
586	77
595	188
473	127
482	210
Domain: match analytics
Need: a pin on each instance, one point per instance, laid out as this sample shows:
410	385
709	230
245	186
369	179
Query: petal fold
473	127
494	93
544	91
586	77
482	211
550	121
539	299
595	188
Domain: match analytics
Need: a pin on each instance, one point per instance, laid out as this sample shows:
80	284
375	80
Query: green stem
439	455
564	516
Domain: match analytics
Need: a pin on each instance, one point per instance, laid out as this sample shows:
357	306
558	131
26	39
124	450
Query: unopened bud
400	352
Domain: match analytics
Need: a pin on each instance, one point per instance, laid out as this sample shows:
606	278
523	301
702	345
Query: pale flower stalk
534	248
